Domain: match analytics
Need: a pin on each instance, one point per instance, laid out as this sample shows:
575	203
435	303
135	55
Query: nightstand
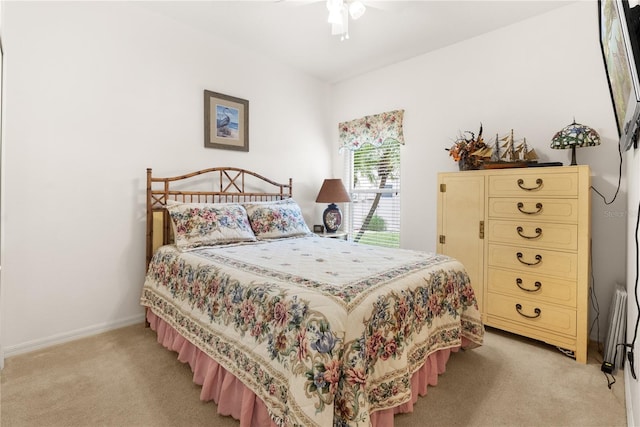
337	235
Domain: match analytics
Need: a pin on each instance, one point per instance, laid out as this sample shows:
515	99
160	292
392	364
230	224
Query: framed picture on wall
226	122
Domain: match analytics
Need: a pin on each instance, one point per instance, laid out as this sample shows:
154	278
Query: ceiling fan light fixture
339	12
356	9
335	17
334	4
335	11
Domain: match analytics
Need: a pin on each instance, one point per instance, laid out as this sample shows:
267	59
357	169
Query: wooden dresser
524	236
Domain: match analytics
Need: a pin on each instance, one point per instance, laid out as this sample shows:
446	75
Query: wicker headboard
214	185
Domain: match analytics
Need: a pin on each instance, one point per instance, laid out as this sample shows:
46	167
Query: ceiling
296	32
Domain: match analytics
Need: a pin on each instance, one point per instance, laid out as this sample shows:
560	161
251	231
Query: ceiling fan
339	13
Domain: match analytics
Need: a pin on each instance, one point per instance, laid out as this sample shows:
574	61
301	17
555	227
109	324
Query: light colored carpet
125	378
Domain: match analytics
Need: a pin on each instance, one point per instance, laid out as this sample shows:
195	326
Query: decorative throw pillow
209	224
281	218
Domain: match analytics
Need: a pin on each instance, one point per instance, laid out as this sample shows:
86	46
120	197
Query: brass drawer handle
538	285
538	207
538	259
537	187
536	310
538	233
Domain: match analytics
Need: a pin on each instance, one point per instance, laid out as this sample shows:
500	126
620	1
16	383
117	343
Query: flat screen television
620	43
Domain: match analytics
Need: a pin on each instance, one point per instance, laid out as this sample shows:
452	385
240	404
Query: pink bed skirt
238	401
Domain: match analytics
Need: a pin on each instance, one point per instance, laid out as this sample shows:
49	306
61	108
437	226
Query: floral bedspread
324	331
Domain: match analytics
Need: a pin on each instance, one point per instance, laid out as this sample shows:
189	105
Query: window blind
374	212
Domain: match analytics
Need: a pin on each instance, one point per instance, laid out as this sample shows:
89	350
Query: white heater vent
617	328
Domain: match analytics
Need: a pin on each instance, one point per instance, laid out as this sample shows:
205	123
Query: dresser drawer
539	209
527	183
534	260
532	313
538	234
533	287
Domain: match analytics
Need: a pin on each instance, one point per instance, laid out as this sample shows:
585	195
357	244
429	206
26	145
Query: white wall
533	77
97	92
632	386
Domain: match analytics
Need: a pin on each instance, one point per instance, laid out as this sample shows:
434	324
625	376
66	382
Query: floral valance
374	130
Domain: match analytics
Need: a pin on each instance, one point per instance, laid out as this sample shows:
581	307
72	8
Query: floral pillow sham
206	224
278	219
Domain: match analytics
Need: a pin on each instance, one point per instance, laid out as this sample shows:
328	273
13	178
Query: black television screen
619	42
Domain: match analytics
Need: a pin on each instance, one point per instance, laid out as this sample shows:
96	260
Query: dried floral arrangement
469	150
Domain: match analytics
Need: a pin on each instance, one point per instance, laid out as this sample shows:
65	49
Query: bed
283	327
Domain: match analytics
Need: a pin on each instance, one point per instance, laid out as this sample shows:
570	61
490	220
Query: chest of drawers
535	240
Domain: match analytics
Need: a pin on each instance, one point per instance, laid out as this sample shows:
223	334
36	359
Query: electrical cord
610	381
607	368
630	353
594	301
568	353
635	333
592	289
619	180
592	294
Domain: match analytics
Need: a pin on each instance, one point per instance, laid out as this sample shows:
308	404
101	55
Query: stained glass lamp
332	192
575	135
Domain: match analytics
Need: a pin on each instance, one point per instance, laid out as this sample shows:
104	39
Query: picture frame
226	122
318	228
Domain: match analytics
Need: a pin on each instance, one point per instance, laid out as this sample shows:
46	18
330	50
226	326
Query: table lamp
332	192
575	135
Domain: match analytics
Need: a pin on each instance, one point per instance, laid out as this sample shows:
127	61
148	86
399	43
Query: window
374	186
372	167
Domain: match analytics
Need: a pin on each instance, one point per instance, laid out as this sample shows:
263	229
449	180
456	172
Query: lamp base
332	218
573	156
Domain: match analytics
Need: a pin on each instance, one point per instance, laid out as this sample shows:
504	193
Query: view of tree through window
374	213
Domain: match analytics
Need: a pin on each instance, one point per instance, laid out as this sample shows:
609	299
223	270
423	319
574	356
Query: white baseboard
29	346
